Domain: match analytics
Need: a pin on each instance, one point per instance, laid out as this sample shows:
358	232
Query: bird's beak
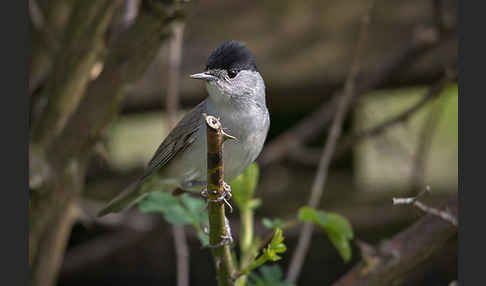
204	76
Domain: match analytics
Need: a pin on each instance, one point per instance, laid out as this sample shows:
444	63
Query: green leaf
244	186
195	208
270	253
187	210
337	228
203	238
269	223
269	275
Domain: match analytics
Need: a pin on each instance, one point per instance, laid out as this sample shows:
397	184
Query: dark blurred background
304	50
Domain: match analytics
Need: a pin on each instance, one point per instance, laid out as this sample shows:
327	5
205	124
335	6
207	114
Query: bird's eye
232	73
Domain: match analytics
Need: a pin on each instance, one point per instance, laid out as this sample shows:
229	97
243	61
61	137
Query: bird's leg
204	194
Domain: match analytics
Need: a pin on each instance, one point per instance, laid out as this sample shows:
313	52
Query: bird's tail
127	198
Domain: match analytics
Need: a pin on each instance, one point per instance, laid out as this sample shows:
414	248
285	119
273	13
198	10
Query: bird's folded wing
181	137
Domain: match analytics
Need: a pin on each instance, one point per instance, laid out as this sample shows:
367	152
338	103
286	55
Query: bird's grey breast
250	126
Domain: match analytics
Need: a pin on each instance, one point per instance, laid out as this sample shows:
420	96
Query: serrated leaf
337	228
277	238
269	253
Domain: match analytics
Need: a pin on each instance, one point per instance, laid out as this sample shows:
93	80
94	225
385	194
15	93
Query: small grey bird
236	96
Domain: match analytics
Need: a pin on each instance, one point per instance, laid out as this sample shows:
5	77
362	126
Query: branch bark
218	226
404	252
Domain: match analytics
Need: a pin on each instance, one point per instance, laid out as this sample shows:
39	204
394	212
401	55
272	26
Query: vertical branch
246	240
325	160
175	55
172	106
182	254
215	189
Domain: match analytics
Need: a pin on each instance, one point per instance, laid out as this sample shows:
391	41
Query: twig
404	252
219	232
447	216
172	106
321	174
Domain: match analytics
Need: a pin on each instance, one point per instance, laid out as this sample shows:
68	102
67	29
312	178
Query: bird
236	96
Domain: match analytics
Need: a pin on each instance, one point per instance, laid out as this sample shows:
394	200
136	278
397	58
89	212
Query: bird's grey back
180	137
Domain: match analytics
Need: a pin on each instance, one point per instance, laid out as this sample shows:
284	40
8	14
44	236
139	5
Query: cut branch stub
215	157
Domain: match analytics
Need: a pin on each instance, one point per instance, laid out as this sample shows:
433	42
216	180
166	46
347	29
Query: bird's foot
204	193
224	197
227	190
226	238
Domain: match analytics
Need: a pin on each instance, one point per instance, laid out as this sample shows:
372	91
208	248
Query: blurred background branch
319	182
172	107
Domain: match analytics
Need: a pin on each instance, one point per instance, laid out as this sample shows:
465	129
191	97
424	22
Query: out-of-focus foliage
243	188
180	210
389	160
268	275
273	223
337	228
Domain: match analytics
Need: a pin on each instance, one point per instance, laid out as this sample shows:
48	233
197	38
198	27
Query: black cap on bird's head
228	59
231	55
